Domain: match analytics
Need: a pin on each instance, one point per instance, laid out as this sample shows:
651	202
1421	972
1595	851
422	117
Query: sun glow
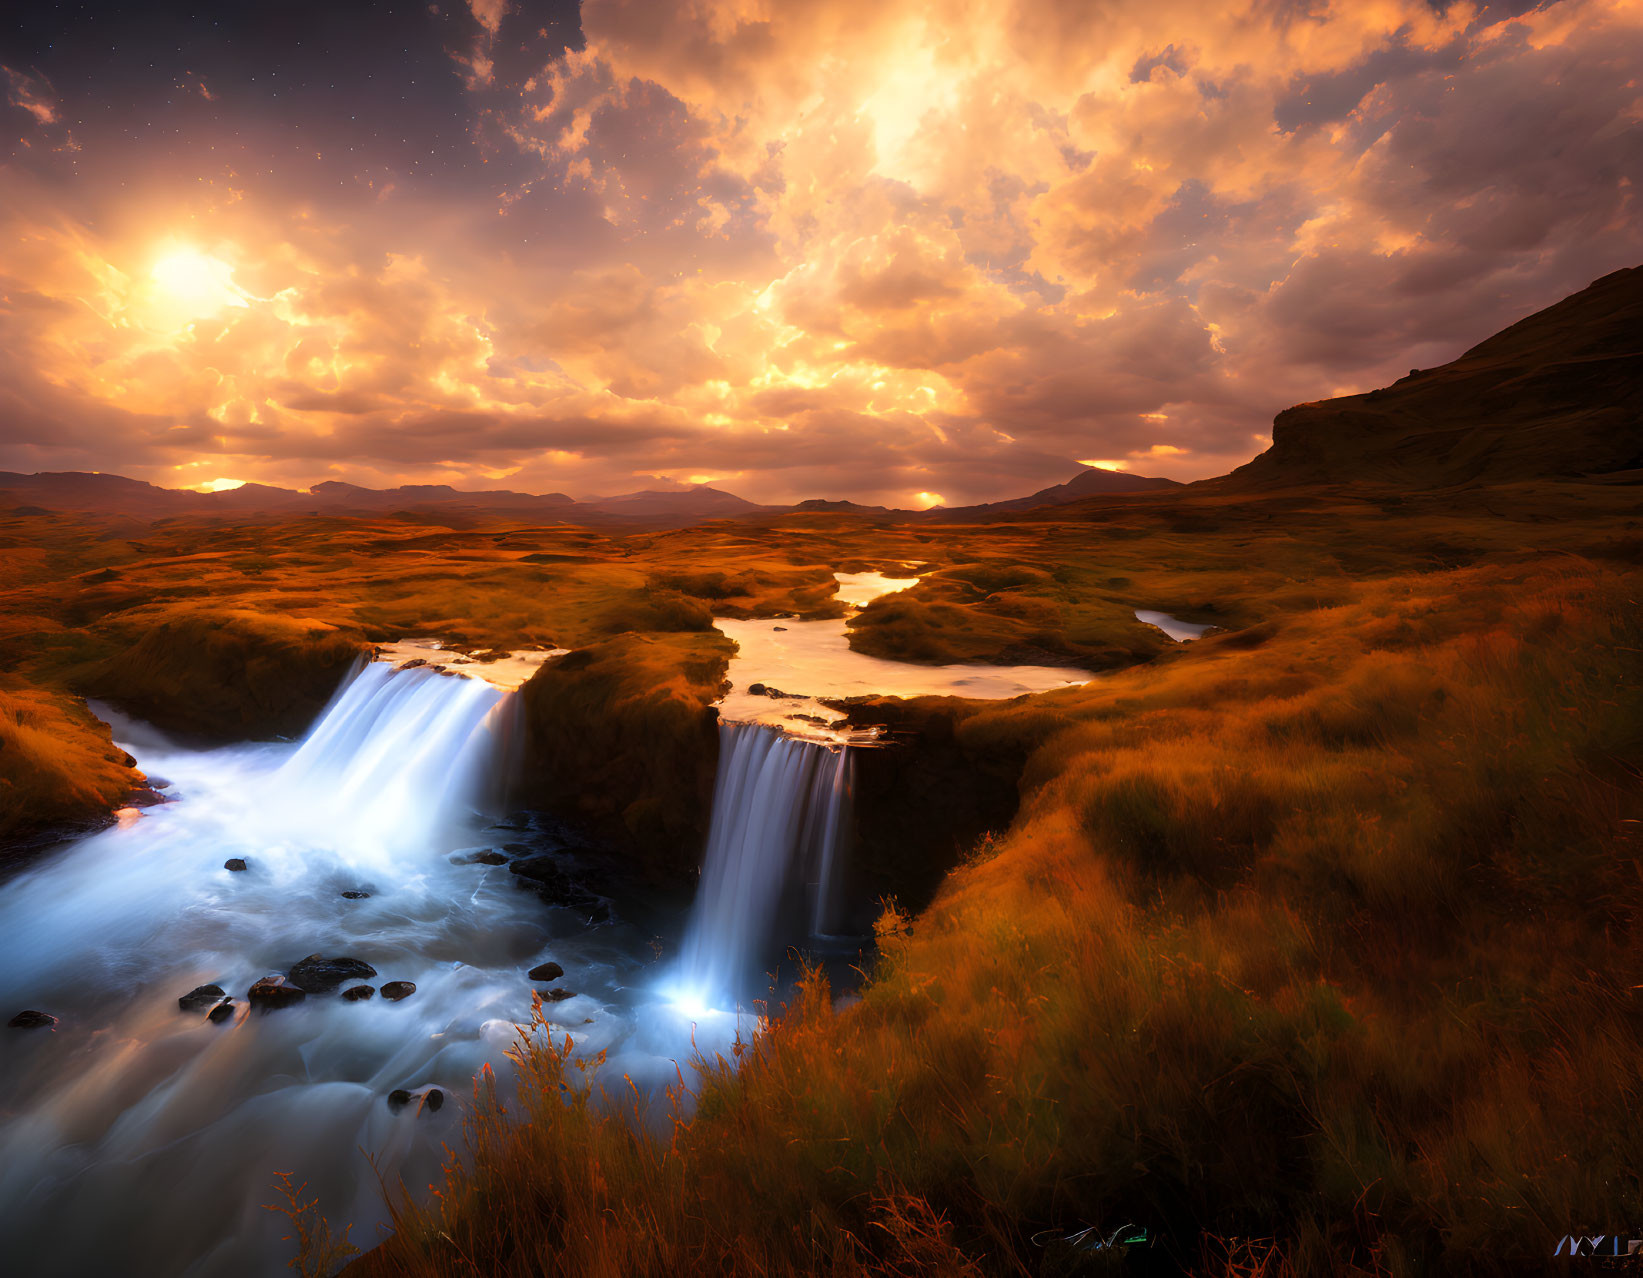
220	485
197	282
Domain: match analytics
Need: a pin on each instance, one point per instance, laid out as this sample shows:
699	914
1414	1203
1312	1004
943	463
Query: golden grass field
1313	946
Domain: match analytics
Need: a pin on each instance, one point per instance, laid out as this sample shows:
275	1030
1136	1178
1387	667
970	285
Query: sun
197	283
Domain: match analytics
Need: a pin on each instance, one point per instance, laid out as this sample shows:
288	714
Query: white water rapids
142	1140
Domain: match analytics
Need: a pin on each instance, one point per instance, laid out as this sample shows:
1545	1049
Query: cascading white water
779	818
140	1140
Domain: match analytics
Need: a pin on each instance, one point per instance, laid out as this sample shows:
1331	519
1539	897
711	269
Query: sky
888	250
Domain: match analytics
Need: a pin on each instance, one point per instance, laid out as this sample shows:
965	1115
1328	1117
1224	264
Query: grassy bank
1313	949
58	766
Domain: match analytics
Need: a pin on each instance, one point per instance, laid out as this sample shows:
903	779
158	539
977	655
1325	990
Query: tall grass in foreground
1314	956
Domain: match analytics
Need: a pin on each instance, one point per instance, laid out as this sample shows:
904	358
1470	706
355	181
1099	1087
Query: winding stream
141	1138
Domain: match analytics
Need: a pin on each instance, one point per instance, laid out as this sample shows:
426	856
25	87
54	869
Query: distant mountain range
651	508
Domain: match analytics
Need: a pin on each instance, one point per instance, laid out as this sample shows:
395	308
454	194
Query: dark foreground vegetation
1311	947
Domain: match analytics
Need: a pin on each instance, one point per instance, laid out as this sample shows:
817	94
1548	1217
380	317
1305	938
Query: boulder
546	972
30	1019
543	875
354	894
434	1099
359	993
320	975
222	1013
488	857
393	991
201	997
558	995
273	992
398	1099
234	863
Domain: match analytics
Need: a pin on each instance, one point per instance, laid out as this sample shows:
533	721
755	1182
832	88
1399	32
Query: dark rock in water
546	972
778	627
30	1019
158	783
200	997
543	875
145	797
413	664
359	993
235	863
756	689
354	894
393	991
222	1012
398	1099
518	849
273	992
558	996
320	975
434	1099
487	857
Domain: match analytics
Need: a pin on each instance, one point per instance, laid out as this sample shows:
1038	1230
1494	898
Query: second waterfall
775	853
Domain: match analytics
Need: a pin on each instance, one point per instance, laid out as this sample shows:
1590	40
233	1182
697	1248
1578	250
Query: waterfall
773	855
130	1091
397	758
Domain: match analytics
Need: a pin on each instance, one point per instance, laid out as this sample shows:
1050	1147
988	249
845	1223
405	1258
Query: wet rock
413	664
359	993
222	1012
756	690
393	991
234	863
200	997
546	972
158	783
273	992
145	797
354	894
778	627
518	849
558	995
31	1019
543	875
432	1100
488	857
320	975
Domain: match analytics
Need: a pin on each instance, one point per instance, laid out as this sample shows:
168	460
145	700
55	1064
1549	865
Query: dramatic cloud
876	250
